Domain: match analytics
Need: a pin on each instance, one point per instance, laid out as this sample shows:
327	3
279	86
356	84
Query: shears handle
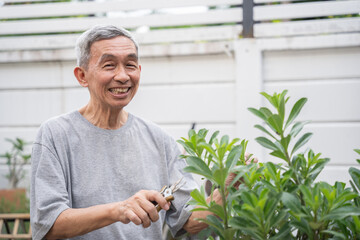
168	198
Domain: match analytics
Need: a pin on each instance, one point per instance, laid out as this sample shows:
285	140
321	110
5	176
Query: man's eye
108	65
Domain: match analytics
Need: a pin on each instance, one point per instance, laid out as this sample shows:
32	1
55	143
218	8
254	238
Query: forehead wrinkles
113	50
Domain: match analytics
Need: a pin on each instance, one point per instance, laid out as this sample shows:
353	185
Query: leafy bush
16	159
274	201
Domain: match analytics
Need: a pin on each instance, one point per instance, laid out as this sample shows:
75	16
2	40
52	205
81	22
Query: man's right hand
139	208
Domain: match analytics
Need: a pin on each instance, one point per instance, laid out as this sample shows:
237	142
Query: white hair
97	33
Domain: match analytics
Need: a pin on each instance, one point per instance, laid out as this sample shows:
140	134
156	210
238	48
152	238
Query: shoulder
149	126
152	130
55	126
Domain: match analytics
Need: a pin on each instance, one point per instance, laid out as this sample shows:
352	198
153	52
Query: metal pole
248	18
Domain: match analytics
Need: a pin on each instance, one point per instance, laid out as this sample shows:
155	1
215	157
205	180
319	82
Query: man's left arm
193	226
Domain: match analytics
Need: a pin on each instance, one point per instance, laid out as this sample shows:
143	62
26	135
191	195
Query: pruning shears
168	191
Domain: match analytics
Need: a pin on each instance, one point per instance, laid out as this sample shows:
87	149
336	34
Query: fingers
139	208
157	197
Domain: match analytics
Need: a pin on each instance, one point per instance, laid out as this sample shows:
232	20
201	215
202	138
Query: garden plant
14	199
16	159
274	200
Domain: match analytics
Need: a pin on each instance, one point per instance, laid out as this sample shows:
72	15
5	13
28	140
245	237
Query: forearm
193	226
138	209
75	222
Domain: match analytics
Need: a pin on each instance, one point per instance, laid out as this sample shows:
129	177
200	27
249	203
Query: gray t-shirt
77	165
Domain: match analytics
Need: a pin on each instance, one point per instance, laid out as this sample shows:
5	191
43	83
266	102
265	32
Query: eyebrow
107	56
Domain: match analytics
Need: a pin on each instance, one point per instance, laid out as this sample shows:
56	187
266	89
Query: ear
79	73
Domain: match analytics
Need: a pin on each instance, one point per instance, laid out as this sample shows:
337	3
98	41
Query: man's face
113	72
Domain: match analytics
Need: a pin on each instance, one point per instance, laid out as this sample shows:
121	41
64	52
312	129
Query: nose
121	75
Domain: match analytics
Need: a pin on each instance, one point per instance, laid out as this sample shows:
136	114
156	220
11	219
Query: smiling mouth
119	90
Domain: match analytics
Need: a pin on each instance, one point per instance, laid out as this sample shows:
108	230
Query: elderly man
95	171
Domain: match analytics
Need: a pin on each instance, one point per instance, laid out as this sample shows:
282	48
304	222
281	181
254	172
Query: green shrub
274	201
16	159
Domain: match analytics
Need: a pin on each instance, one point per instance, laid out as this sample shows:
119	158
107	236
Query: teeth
119	90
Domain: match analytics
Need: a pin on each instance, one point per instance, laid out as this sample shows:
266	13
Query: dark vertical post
248	18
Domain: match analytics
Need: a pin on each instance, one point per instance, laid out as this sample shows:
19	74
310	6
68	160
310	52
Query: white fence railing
56	25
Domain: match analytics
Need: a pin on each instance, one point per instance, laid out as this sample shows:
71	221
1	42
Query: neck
104	118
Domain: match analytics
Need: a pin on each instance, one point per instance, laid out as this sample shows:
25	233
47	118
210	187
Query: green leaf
208	148
279	154
285	141
283	233
202	133
302	141
342	212
249	198
356	222
231	144
270	168
199	197
276	123
278	218
250	219
258	113
283	94
334	233
266	143
229	233
281	108
217	210
215	223
244	144
198	166
295	111
355	175
271	99
233	156
304	227
315	171
343	197
357	150
315	225
240	222
224	140
264	130
297	127
188	147
220	175
308	197
291	202
213	137
267	113
221	154
191	133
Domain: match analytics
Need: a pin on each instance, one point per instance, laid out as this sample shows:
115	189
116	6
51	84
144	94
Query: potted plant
273	201
14	199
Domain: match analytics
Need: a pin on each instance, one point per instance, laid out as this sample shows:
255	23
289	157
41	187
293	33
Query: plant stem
222	192
223	198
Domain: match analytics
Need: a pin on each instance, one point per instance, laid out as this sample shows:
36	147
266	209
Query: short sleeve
48	193
180	211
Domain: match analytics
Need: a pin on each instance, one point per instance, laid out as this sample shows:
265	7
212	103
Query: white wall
177	91
212	90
